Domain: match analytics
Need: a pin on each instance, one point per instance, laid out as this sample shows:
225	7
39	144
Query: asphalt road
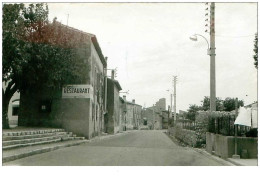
138	148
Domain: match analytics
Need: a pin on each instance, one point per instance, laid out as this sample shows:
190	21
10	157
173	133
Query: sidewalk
13	154
243	162
216	158
229	161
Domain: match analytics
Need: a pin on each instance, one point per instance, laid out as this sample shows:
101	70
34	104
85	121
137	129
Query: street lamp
211	53
195	38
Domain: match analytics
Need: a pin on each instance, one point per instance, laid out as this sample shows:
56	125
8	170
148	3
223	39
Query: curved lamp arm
203	37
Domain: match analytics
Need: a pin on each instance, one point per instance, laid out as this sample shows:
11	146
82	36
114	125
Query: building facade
154	115
13	108
133	115
122	114
161	105
113	122
77	107
153	118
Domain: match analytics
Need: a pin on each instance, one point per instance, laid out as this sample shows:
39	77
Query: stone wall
224	146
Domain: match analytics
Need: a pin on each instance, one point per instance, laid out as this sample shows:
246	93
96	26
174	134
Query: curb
39	151
218	159
110	136
236	163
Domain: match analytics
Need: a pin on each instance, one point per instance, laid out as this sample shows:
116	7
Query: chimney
124	97
133	101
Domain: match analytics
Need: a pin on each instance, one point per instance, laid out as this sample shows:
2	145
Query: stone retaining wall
224	146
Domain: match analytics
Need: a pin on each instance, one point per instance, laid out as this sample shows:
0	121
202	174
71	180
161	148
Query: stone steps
32	140
31	132
30	144
9	138
13	154
20	139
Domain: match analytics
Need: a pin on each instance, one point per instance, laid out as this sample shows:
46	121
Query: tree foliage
221	105
206	104
230	104
38	53
256	51
193	109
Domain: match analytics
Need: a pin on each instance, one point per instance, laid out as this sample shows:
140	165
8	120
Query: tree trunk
6	97
5	120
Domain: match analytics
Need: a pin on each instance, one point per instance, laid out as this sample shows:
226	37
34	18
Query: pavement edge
203	152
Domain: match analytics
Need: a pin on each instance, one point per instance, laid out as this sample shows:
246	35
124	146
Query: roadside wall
223	146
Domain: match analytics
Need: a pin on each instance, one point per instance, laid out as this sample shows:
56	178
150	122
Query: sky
148	43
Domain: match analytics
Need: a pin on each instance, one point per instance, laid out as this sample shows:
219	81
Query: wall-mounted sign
77	91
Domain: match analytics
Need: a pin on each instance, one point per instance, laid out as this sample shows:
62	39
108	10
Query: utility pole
174	94
212	59
171	107
153	117
68	19
236	156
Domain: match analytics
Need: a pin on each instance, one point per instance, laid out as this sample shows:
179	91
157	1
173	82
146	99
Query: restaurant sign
77	91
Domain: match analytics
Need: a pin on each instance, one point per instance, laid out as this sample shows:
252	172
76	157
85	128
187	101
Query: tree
230	104
256	51
12	57
37	53
206	104
193	109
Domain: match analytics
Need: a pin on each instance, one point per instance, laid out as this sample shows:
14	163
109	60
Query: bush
252	133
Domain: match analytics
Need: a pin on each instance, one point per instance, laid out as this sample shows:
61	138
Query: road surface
138	148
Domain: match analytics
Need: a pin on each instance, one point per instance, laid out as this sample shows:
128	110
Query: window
15	107
15	111
45	106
